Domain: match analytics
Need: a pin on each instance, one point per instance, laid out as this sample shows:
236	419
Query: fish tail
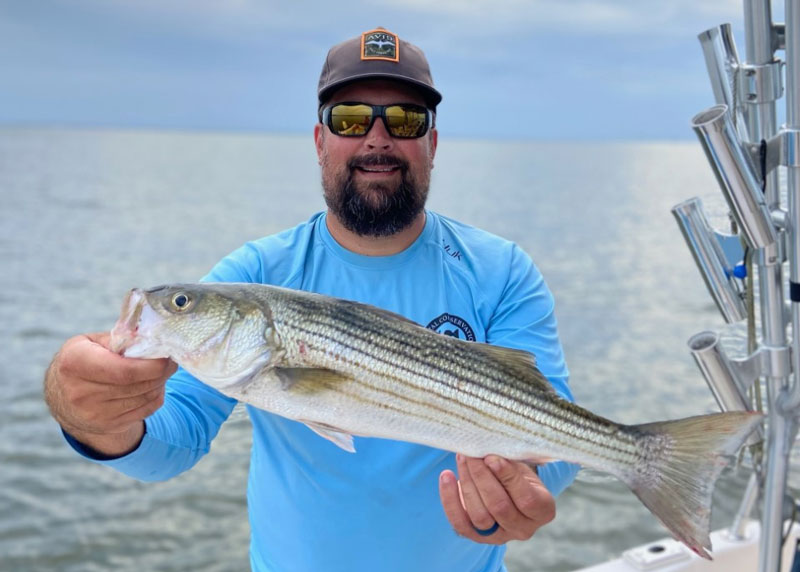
681	461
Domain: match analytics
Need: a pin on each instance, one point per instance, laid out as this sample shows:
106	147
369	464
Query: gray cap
376	54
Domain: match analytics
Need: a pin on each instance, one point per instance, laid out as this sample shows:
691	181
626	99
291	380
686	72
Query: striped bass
345	369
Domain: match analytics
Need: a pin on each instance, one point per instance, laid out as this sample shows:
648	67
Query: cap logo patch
380	44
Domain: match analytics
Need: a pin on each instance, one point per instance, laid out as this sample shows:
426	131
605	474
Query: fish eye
181	301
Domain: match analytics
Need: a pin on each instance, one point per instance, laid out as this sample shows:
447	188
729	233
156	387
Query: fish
344	368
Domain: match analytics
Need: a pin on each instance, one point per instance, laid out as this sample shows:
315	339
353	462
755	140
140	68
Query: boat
752	271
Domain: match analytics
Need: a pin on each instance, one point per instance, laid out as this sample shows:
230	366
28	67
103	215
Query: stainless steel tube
762	125
736	531
707	252
777	467
758	51
793	183
736	175
722	376
722	62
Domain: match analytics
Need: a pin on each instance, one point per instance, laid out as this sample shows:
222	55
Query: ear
434	143
319	139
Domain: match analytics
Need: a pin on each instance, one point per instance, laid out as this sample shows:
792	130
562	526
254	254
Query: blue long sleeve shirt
313	506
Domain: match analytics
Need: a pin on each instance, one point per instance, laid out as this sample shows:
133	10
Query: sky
518	69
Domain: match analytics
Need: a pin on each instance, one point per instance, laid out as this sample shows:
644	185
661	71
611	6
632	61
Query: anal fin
332	434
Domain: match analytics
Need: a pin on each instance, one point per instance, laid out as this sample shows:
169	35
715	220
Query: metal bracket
775	361
760	83
746	370
780	218
767	360
782	149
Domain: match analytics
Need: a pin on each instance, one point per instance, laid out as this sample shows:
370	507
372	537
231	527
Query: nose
378	138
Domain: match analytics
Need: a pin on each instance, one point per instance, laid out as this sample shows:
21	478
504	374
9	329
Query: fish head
210	330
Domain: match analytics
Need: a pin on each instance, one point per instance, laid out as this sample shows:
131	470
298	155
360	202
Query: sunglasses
353	119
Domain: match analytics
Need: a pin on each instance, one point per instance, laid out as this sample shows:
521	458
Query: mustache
377	160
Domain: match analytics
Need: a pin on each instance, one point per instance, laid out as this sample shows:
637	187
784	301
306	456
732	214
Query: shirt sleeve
525	319
179	434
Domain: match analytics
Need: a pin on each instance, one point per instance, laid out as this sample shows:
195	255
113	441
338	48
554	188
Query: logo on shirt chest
453	326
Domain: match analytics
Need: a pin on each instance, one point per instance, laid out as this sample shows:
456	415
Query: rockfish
345	368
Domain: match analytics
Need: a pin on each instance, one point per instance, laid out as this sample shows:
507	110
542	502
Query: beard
373	208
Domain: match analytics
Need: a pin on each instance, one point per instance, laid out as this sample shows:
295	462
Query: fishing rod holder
722	62
766	361
736	174
730	378
744	146
733	81
718	270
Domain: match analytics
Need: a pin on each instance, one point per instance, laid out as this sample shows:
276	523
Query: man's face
376	185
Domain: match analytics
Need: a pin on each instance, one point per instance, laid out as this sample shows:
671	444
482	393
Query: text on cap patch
380	44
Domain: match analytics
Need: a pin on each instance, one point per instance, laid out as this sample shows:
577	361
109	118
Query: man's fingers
495	490
524	489
112	392
101	338
143	412
117	370
478	513
496	499
127	404
451	502
118	414
88	358
140	388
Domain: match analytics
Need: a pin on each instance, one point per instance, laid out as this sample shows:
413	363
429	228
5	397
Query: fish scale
431	385
345	369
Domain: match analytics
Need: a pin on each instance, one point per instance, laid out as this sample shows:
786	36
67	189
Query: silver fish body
346	369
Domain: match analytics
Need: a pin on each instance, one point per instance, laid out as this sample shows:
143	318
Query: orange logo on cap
380	44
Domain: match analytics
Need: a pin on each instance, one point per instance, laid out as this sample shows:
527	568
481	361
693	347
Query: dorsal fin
376	311
521	362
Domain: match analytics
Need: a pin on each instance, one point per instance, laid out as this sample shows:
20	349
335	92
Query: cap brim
431	96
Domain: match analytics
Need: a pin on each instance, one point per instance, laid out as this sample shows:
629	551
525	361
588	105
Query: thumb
101	338
508	472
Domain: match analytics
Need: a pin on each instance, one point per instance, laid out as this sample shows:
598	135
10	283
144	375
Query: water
86	215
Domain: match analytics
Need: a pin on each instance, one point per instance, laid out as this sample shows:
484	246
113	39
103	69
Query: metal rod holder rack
745	149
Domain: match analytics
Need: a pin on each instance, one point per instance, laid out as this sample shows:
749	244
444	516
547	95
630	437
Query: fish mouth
124	333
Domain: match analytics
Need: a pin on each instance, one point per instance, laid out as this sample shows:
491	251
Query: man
314	507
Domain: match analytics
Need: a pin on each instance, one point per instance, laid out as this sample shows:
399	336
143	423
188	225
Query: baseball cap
376	54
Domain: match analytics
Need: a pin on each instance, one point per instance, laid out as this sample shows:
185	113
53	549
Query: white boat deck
729	555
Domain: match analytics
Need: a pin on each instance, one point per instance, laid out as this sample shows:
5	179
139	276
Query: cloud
202	63
568	17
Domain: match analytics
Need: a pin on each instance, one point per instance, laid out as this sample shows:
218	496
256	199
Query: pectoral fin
308	379
334	435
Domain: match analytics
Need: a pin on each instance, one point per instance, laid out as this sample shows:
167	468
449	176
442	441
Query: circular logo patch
453	326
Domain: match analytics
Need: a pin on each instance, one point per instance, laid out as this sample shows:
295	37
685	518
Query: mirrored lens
350	120
406	121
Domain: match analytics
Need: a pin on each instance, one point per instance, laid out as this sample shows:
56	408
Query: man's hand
495	490
101	398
